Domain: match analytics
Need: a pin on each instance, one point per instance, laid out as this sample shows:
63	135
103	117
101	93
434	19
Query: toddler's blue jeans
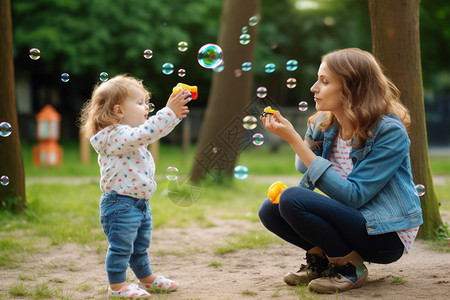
307	219
127	223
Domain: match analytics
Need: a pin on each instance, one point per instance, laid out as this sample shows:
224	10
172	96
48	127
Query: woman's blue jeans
127	223
307	219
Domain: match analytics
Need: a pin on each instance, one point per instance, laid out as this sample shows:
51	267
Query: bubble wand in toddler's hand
192	89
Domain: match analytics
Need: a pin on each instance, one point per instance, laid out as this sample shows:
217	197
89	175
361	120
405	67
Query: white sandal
129	291
160	284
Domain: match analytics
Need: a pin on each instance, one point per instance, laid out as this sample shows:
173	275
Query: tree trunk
396	43
12	195
221	135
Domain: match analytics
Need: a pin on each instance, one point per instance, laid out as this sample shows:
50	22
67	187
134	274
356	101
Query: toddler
115	120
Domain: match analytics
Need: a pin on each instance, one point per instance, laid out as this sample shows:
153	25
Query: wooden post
154	150
85	149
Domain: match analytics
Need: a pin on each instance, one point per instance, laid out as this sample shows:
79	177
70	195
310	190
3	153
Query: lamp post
47	152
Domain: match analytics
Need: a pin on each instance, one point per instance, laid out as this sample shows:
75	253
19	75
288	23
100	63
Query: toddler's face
135	108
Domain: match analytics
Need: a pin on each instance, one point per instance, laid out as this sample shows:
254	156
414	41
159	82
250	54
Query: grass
249	293
169	155
19	290
58	213
304	294
215	264
398	280
254	158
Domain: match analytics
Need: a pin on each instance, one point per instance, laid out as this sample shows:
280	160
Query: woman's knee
266	210
288	198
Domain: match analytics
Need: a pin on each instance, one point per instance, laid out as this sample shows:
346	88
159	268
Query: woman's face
327	91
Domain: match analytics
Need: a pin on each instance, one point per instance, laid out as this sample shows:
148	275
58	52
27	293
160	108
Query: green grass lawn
256	159
60	213
169	155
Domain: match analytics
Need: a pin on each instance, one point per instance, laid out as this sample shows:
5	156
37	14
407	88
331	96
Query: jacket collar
357	153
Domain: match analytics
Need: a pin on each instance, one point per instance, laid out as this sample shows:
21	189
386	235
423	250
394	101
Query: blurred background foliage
86	37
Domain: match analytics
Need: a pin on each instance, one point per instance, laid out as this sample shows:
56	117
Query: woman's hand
177	103
280	126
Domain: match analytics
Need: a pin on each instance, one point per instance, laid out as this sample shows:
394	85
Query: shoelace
303	267
314	263
332	271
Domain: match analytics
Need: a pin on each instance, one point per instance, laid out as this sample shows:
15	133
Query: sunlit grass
19	290
304	294
440	165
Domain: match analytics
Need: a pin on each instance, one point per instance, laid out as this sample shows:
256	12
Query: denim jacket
380	186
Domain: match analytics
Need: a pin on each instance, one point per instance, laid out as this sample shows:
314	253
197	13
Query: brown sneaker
343	274
315	265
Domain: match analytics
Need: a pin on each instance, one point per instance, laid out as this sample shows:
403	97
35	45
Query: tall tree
221	133
12	195
396	43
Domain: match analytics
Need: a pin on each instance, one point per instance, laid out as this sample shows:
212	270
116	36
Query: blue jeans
307	219
127	223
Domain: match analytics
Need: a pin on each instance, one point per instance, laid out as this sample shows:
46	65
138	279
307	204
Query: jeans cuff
117	277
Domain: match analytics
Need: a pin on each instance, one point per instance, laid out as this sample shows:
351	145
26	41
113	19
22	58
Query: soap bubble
182	46
258	139
303	106
210	56
5	129
244	39
244	29
219	68
253	21
419	190
269	68
292	65
148	53
291	83
181	72
261	92
246	66
167	68
151	107
172	173
65	77
35	53
214	150
250	122
237	73
4	180
104	76
240	172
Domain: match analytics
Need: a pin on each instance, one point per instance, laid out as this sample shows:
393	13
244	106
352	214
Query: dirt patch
187	255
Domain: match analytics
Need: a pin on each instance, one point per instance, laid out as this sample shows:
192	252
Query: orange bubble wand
275	190
191	88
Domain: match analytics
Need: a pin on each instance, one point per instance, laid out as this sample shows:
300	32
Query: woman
356	151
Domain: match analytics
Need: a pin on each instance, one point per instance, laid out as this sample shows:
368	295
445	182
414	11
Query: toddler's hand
177	103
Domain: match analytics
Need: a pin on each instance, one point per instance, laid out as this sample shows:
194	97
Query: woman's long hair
98	112
367	93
